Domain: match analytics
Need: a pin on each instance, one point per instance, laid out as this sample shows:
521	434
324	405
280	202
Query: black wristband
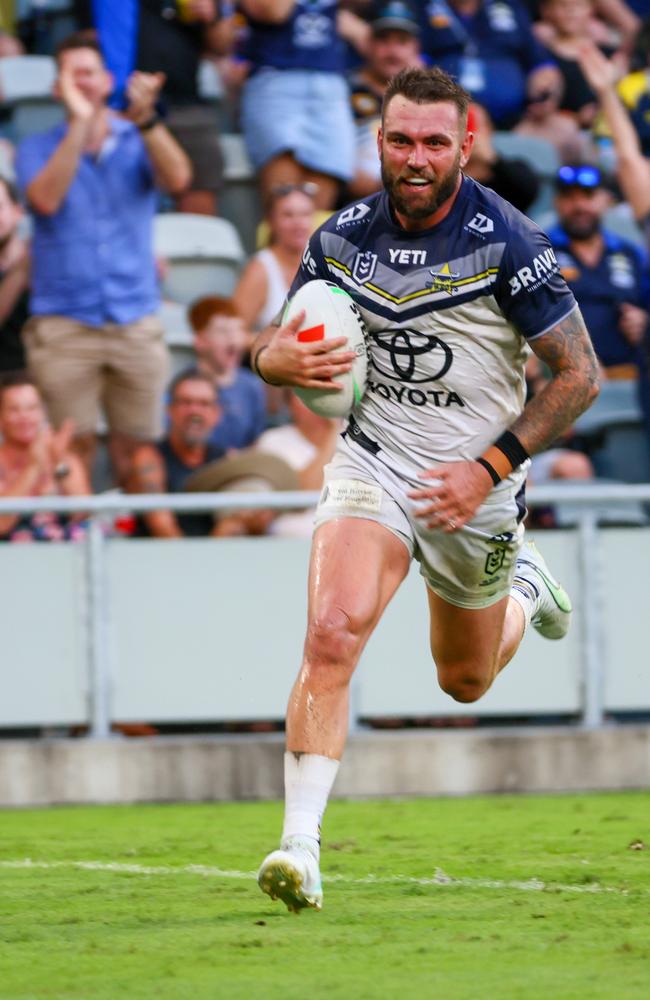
150	123
494	475
512	448
255	358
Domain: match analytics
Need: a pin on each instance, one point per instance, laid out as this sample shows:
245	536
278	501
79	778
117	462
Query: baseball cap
585	176
396	15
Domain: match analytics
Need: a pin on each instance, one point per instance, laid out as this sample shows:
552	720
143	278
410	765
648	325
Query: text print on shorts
353	495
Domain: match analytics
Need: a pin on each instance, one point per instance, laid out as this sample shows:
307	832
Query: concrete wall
160	769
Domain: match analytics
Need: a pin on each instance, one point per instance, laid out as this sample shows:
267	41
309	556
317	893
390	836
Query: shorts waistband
360	437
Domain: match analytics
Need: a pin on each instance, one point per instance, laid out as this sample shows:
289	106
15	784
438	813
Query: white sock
526	596
308	780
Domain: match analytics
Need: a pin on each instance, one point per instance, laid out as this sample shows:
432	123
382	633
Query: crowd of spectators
83	352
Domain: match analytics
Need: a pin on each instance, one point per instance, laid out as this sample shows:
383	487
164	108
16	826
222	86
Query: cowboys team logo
443	280
365	265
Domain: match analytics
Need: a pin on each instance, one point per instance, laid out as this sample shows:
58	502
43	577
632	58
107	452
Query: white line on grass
439	879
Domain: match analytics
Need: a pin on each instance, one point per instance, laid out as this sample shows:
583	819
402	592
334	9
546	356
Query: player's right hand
286	361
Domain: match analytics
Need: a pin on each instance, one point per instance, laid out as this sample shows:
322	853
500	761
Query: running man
452	282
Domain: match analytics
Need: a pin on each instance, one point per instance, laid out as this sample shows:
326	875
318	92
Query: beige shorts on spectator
121	369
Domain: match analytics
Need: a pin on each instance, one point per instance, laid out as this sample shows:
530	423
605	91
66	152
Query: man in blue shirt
607	274
489	46
93	338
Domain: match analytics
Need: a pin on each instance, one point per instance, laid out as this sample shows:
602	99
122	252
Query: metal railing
587	499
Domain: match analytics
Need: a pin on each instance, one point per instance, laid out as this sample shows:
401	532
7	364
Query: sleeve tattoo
567	350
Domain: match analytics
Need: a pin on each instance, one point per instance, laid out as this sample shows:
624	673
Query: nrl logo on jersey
353	214
443	280
365	265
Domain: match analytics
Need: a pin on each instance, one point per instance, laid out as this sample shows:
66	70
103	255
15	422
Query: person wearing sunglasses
608	276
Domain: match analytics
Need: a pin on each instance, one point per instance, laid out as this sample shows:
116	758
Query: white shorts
470	568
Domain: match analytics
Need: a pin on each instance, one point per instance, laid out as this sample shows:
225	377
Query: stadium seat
620	442
203	255
178	335
540	155
26	86
239	199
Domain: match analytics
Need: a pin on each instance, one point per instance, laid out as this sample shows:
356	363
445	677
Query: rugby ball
330	312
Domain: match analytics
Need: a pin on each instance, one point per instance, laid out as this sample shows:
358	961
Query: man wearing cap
607	274
394	45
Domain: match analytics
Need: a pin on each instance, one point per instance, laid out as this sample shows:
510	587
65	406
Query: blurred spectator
564	460
164	468
248	471
393	46
307	444
171	36
633	169
42	24
14	281
511	178
608	275
296	115
634	90
10	46
94	337
491	49
565	25
266	279
34	462
220	342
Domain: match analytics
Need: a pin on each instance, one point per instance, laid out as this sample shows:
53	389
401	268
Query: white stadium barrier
204	630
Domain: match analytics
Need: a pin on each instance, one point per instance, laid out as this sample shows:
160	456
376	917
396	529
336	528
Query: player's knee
334	638
463	685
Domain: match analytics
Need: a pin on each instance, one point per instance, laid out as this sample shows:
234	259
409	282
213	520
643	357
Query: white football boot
292	875
552	614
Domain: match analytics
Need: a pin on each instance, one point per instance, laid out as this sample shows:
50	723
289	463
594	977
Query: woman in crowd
266	279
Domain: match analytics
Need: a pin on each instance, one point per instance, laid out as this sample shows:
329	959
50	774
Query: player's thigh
356	567
136	375
65	357
465	642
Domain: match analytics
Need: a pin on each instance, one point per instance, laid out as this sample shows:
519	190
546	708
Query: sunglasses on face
583	177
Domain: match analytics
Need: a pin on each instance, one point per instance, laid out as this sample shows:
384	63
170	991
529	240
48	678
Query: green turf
93	935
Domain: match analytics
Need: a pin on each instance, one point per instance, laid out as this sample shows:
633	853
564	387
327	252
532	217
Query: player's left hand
458	490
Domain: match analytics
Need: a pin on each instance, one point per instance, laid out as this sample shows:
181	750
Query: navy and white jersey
448	312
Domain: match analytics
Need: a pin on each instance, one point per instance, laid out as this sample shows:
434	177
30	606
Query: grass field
472	899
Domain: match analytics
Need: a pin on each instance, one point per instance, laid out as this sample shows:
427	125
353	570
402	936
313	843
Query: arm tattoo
568	352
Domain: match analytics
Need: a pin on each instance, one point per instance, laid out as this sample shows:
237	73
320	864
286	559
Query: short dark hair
11	189
191	375
79	40
16	380
427	86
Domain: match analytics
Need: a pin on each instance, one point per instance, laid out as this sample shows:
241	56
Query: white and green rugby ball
330	312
